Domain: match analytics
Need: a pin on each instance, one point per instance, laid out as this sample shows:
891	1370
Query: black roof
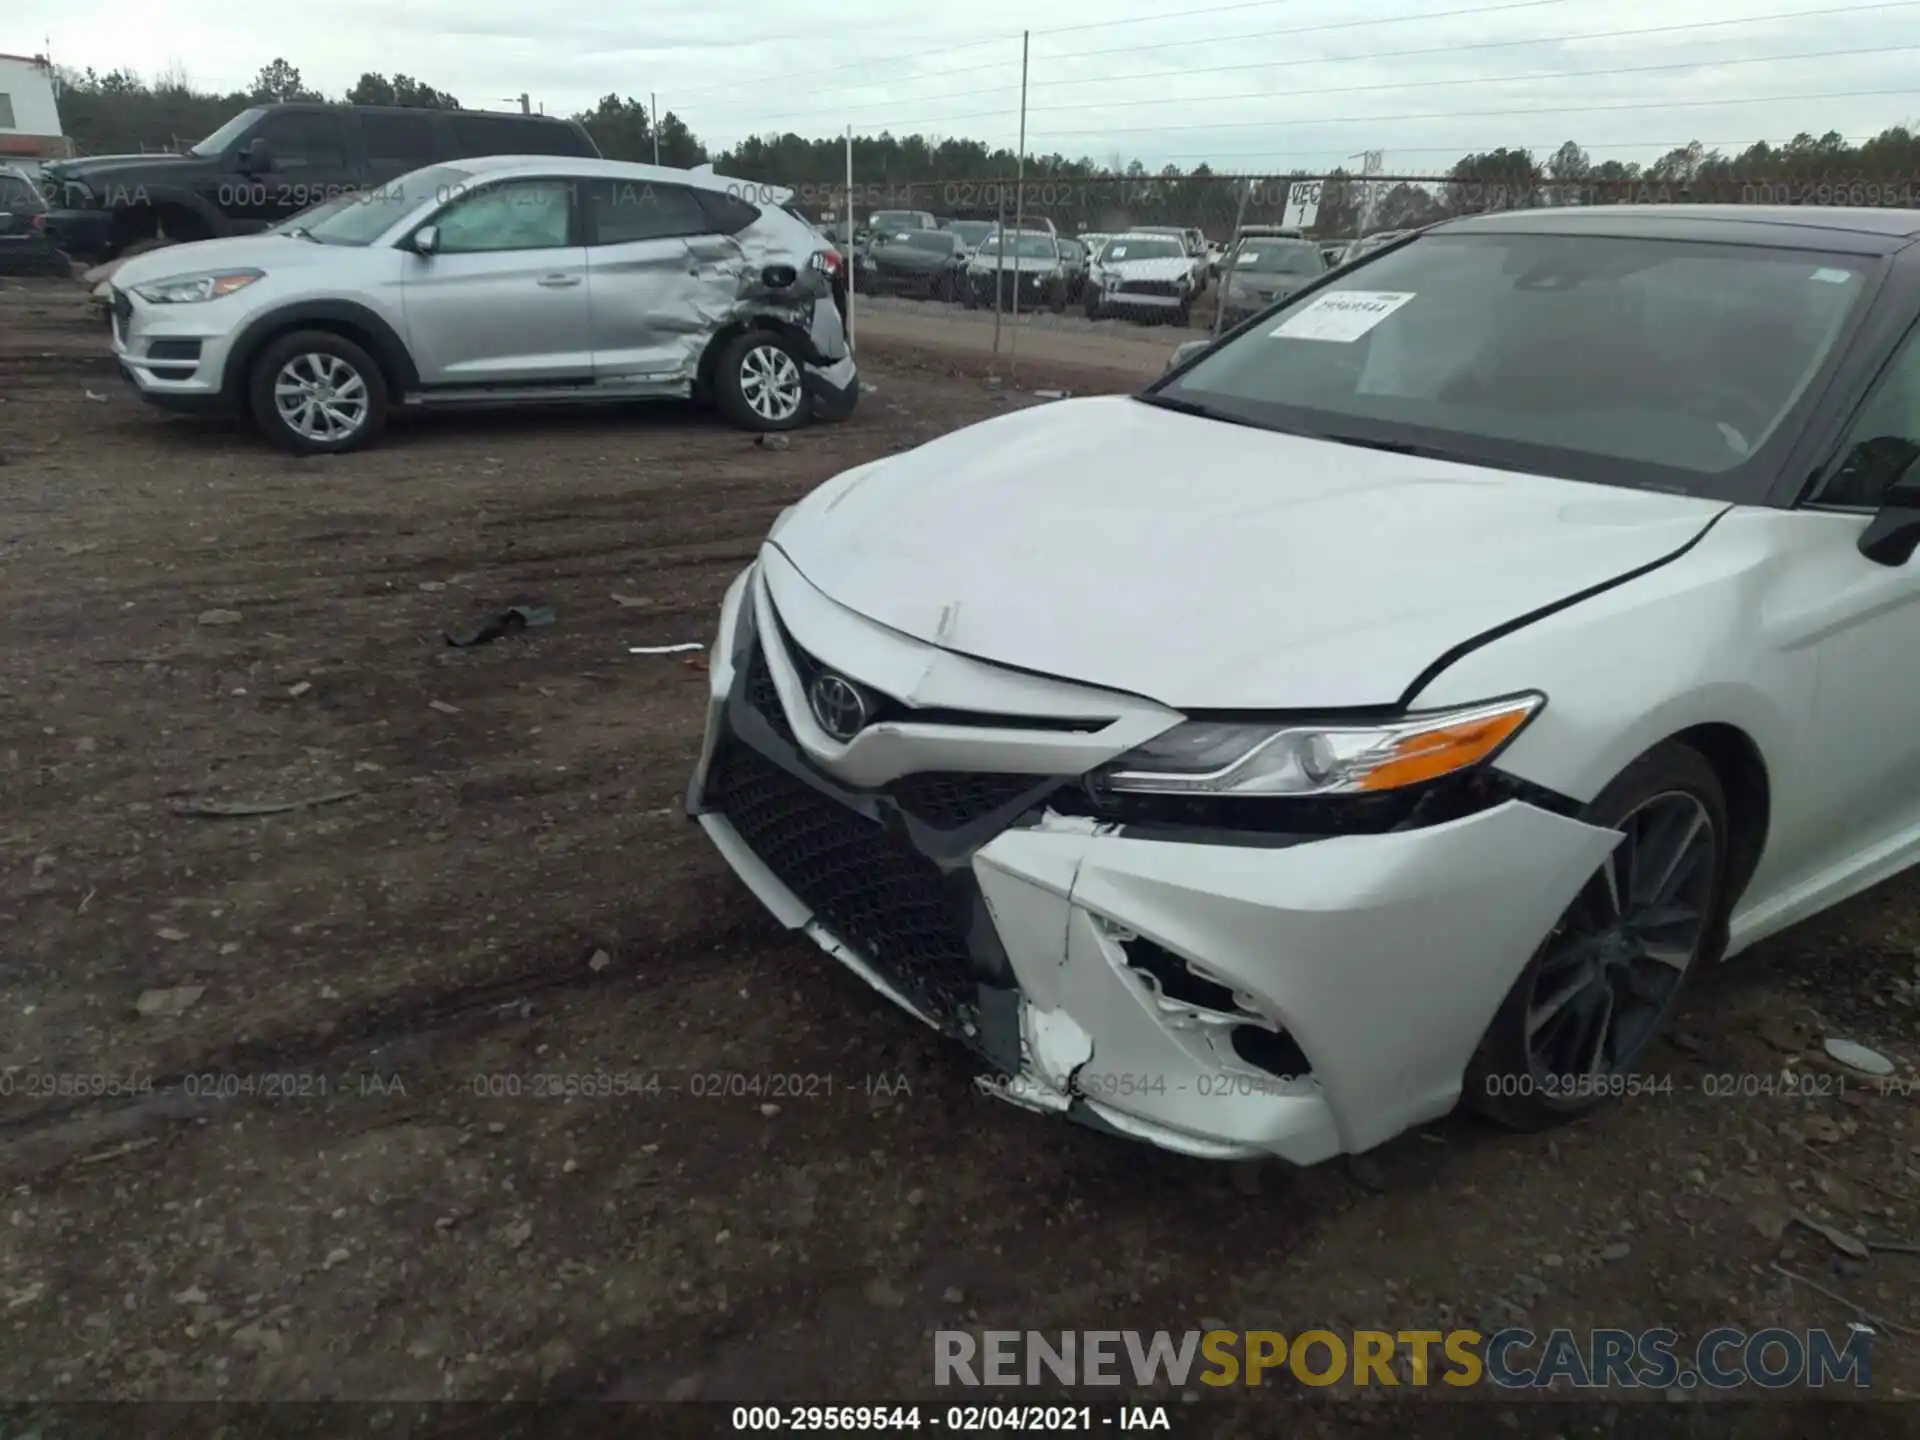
405	110
1854	229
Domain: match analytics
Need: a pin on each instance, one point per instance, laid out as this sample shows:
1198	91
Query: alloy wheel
770	381
1615	962
321	397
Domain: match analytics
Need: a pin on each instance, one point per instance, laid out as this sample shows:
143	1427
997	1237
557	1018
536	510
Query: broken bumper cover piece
1222	1000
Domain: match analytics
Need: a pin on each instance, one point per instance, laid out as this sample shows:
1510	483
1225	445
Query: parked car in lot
1533	622
1259	272
25	246
972	233
269	163
1144	275
1074	264
492	282
930	263
1031	263
1192	242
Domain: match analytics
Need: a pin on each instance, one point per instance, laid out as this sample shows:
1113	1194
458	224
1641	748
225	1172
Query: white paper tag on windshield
1833	277
1247	257
1343	316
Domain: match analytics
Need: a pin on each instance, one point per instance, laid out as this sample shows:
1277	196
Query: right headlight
1207	757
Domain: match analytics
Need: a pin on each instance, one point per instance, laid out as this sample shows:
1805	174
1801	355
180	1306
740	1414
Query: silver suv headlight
1207	757
190	289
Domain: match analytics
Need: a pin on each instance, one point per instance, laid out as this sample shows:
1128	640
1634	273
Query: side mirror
426	240
1183	353
1894	532
258	156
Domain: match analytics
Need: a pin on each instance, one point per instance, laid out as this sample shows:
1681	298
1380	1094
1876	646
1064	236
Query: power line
784	76
1180	44
1441	84
1161	75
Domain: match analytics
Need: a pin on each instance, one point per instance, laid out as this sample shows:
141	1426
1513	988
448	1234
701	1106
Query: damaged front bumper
1292	996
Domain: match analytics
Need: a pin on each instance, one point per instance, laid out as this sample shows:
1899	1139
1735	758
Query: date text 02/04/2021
957	1419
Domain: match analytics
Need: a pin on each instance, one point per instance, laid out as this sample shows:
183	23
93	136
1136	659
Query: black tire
970	296
1093	308
759	383
1506	1079
330	364
1183	314
1057	300
830	407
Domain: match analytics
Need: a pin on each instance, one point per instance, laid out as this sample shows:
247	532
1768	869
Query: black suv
272	162
25	248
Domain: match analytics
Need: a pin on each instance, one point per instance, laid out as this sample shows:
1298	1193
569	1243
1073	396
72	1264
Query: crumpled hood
237	252
1207	565
1268	286
1173	269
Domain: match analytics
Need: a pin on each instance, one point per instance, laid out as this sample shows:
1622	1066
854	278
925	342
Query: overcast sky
1262	83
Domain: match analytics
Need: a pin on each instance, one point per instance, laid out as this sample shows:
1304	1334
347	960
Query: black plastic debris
519	617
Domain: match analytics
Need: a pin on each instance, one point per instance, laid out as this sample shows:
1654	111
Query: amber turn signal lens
1445	749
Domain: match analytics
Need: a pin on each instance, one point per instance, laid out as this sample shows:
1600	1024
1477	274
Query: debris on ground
507	622
100	398
247	809
443	707
1053	394
168	1004
218	617
1846	1244
1856	1056
665	649
773	442
295	691
631	602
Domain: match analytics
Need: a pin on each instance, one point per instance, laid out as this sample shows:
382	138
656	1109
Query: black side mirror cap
1893	534
258	156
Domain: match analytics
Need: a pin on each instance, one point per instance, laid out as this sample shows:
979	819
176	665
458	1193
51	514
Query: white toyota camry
1394	703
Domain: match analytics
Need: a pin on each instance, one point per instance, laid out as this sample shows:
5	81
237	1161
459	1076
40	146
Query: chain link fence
1332	210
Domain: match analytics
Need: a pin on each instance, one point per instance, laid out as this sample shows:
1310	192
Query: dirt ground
501	885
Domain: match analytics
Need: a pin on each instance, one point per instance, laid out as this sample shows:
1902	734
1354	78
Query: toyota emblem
838	705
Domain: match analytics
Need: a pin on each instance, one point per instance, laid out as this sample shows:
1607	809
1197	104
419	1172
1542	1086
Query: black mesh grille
762	695
947	800
872	890
1149	287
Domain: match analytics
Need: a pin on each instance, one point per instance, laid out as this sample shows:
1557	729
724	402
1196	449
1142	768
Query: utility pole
526	103
1233	256
653	106
851	287
1019	209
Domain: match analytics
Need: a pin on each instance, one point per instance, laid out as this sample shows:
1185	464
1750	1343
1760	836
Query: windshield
972	232
899	220
1278	259
1022	247
362	218
935	240
1668	365
1134	248
221	140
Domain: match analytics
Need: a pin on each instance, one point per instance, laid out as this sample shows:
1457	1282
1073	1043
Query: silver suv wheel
321	397
770	383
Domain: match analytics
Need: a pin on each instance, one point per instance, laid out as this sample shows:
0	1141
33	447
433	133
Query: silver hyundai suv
512	279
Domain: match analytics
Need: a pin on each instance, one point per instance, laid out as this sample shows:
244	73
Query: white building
29	113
